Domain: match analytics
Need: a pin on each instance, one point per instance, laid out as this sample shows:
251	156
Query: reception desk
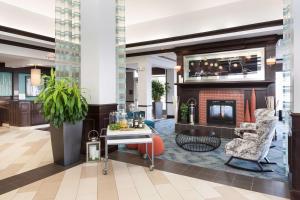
21	113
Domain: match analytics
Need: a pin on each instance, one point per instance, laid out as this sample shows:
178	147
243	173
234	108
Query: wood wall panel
97	119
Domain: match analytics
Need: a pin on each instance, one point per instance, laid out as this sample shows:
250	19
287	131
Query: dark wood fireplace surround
194	90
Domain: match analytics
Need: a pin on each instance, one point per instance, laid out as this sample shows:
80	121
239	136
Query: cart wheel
151	168
104	172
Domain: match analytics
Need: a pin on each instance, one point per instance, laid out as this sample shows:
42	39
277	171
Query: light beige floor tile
228	193
33	187
10	170
8	195
89	171
204	189
107	189
24	196
69	185
156	177
142	183
87	187
128	194
167	192
179	182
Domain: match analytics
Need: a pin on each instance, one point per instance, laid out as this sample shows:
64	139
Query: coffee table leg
152	160
146	156
106	157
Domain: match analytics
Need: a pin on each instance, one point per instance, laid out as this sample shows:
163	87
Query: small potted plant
158	90
184	111
65	108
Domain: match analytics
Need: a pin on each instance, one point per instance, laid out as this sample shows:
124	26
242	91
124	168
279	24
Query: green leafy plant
62	101
158	90
184	111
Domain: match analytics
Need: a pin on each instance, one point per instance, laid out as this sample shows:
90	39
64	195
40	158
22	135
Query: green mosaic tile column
121	54
67	38
288	33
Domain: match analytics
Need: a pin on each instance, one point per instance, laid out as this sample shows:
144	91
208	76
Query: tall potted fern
65	108
158	90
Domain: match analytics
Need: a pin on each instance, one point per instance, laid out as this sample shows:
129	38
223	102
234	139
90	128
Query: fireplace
221	112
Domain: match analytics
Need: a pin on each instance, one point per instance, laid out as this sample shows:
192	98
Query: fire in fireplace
221	112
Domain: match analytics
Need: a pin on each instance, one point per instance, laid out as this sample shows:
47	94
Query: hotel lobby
149	100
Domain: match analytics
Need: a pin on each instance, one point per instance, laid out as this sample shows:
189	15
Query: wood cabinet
22	113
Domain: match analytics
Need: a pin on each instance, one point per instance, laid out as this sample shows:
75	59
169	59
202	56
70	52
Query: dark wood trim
26	33
28	46
294	153
237	44
149	52
260	25
144	106
231	84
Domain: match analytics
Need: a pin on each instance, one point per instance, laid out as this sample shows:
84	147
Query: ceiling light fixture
177	68
35	76
271	61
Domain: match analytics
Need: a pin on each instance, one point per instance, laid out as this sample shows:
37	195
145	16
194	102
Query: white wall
18	18
225	16
98	61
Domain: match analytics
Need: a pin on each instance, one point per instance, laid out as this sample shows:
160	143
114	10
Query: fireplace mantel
225	84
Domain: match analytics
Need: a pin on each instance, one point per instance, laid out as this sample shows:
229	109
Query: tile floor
127	182
25	149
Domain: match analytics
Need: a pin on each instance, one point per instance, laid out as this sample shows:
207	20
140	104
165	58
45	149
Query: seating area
149	100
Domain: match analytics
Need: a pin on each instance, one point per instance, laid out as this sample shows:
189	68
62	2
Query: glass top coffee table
196	140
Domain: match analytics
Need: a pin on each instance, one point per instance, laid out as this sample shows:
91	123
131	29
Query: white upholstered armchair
253	147
260	114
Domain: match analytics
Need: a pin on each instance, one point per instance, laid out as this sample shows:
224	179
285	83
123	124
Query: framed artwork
30	90
238	65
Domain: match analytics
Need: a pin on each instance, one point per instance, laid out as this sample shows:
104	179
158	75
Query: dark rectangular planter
157	109
66	143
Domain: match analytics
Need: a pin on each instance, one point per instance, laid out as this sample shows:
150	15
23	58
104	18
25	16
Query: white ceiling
139	11
42	7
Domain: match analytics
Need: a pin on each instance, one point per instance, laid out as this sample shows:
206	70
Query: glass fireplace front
222	112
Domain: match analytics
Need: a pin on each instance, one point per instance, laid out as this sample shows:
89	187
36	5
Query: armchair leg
261	169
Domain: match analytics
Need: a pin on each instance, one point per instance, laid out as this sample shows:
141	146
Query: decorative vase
247	113
253	105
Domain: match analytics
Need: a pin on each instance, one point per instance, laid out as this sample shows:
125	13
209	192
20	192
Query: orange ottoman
159	146
132	146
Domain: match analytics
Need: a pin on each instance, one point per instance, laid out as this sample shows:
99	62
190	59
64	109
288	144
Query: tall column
291	64
145	88
296	57
98	51
171	79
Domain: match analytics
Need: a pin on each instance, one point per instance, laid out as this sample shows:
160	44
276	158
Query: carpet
216	159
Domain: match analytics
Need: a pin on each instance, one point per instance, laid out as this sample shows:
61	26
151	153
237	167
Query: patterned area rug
216	159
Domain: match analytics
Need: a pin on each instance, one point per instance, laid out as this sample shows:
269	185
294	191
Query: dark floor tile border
271	187
23	179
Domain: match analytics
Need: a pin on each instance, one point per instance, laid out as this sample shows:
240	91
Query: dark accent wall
21	113
263	88
97	118
294	155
